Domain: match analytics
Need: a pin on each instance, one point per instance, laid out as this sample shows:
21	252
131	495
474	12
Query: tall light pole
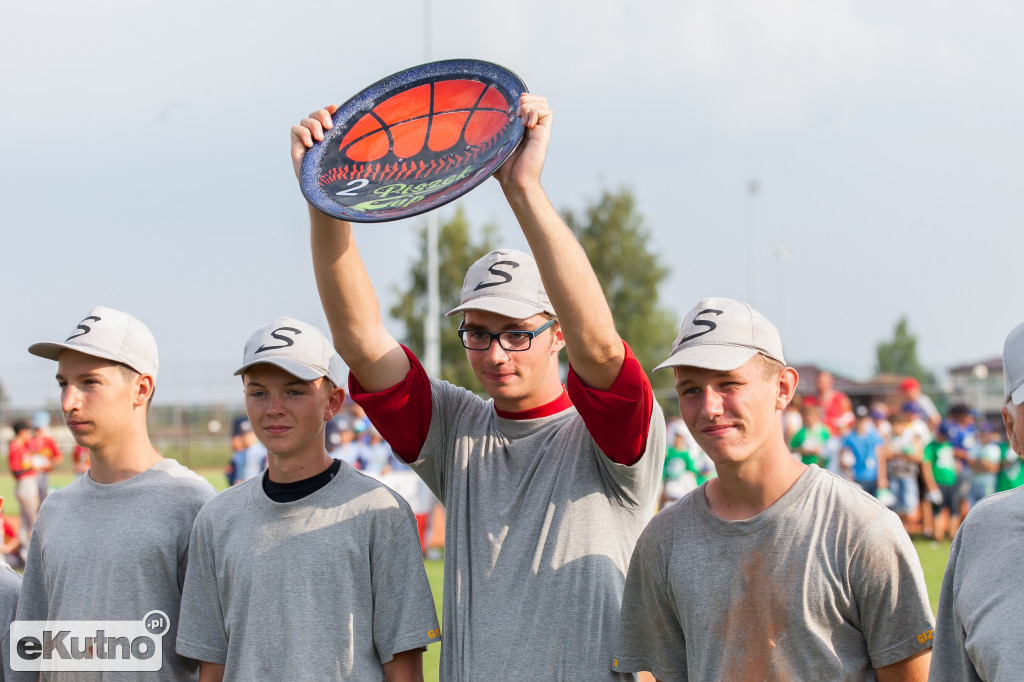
980	372
753	187
432	322
785	254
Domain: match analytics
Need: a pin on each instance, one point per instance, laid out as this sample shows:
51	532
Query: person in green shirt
940	475
1011	473
810	441
686	468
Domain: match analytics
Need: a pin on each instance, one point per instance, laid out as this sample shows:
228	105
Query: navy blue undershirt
289	492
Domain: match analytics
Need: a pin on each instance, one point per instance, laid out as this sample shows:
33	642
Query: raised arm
347	294
594	347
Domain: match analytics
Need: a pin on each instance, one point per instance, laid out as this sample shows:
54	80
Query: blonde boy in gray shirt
310	571
775	569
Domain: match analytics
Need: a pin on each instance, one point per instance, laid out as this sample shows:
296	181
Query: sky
144	162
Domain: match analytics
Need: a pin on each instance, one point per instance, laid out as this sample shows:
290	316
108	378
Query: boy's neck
292	469
118	462
745	490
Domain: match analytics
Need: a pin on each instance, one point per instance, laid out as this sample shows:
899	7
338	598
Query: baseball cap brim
715	357
519	310
52	351
1017	396
296	369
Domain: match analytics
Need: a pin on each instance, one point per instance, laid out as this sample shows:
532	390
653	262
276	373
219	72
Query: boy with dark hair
546	487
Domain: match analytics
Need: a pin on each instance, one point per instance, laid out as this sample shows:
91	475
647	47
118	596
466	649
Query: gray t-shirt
115	552
823	585
10	587
539	530
328	587
978	634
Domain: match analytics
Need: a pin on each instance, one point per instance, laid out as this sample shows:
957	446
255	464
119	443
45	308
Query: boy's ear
334	403
788	380
143	390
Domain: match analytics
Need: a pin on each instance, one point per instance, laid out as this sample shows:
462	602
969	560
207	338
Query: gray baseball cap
506	282
723	334
298	348
1013	365
109	334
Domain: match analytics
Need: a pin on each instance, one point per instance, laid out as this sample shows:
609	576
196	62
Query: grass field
432	658
933	557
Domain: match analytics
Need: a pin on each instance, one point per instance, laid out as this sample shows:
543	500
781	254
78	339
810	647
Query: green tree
899	355
456	252
619	246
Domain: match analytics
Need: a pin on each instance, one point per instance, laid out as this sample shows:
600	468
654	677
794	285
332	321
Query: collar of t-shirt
289	492
557	405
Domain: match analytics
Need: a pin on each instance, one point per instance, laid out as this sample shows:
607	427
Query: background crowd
32	454
928	467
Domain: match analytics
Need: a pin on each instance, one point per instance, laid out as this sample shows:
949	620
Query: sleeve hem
624	438
635	664
899	652
201	653
416	642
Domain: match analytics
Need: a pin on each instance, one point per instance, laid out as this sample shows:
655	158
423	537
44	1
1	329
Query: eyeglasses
512	341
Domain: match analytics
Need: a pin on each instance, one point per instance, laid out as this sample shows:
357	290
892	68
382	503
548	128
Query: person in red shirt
45	453
9	551
836	410
79	460
26	490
